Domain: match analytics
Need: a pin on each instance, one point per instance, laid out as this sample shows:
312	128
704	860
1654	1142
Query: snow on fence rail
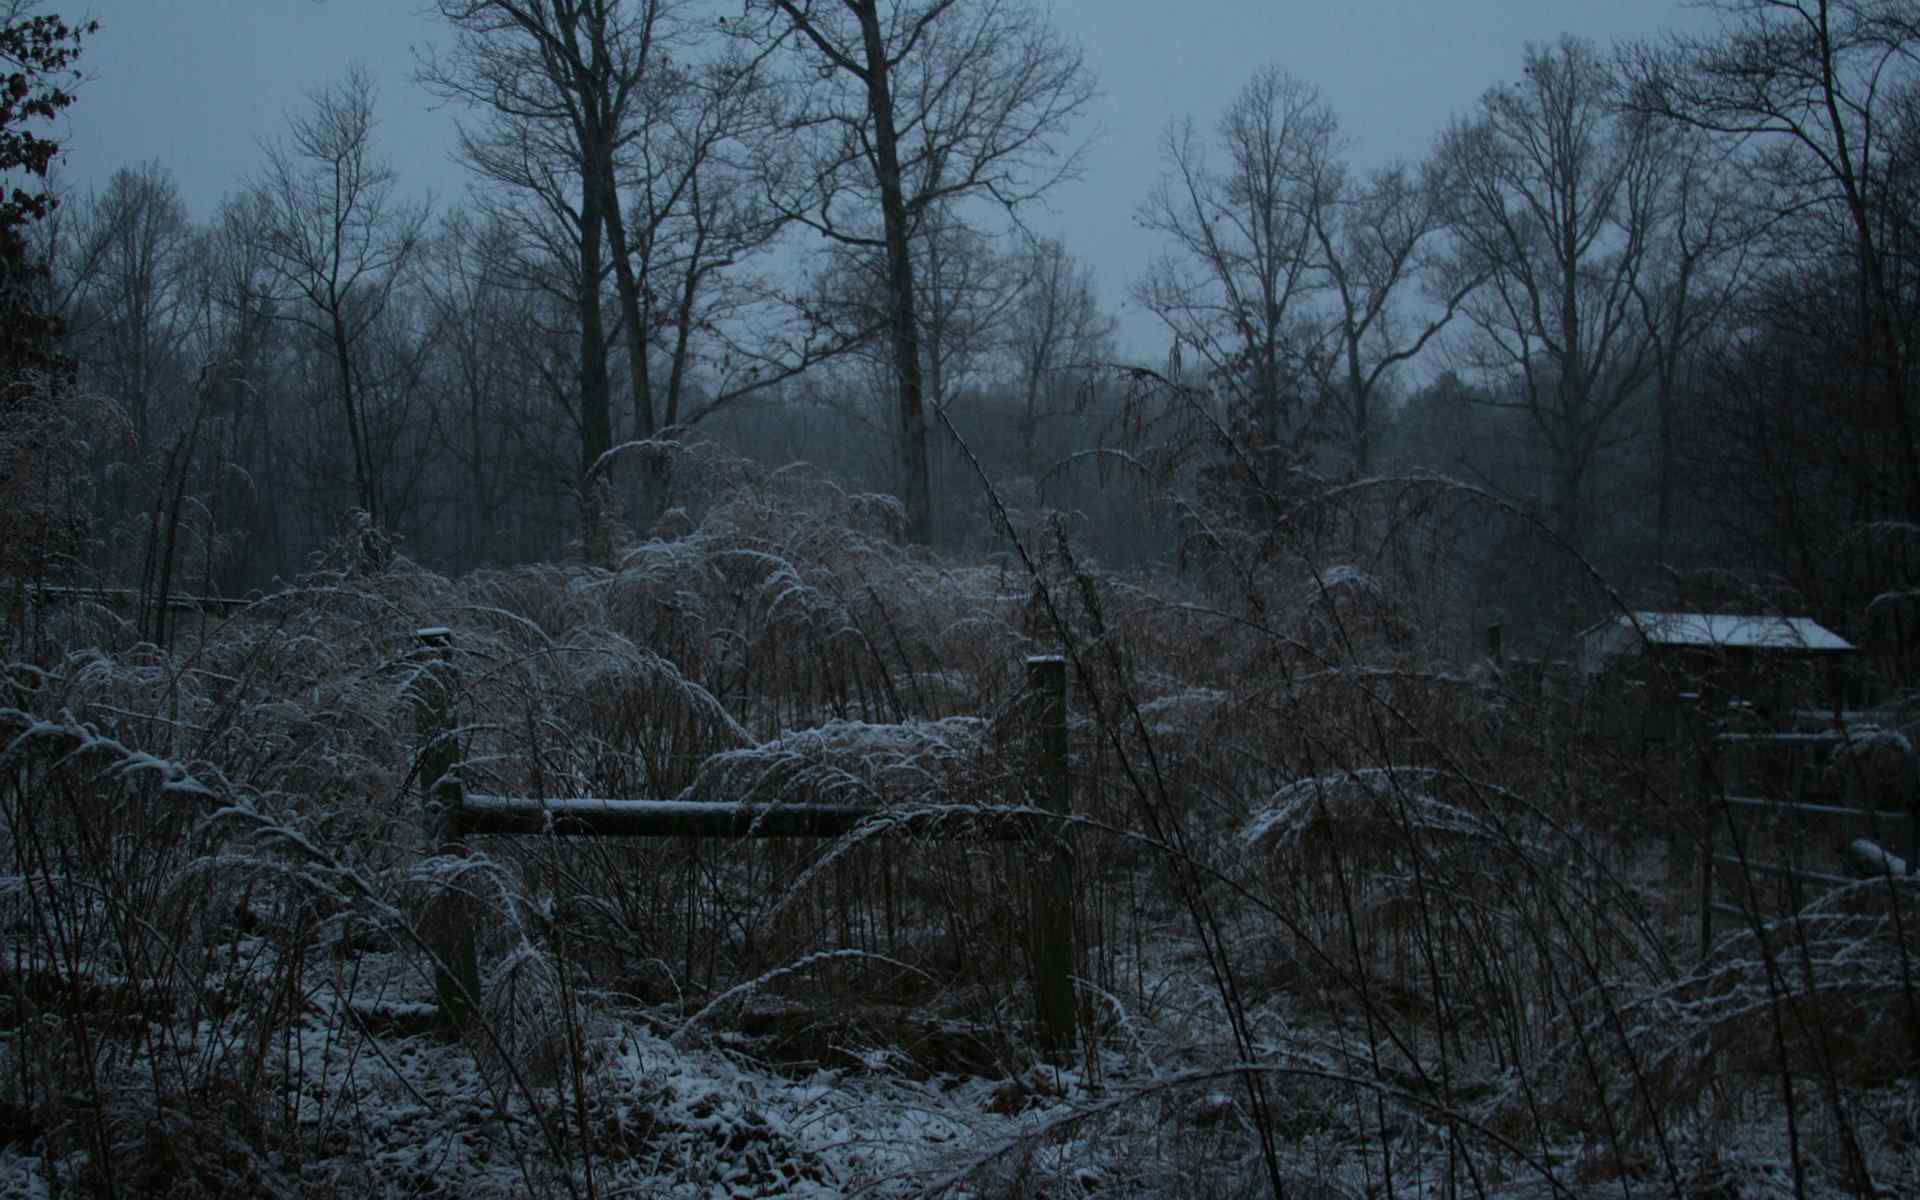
1771	848
461	815
479	815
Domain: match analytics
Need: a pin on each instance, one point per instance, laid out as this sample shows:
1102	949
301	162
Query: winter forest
709	664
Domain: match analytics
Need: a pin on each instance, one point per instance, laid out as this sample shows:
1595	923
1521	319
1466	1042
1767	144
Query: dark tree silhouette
39	518
36	54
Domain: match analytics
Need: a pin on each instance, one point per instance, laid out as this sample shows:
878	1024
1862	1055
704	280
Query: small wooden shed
1775	664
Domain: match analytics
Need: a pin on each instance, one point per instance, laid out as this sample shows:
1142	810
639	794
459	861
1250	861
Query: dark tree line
1661	295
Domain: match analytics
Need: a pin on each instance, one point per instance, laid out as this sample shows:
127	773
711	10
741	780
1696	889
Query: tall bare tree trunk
905	331
596	423
363	484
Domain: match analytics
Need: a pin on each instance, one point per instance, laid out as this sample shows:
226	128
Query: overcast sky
196	84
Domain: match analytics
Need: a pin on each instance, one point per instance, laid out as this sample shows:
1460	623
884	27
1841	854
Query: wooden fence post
1052	916
446	923
1708	790
1910	784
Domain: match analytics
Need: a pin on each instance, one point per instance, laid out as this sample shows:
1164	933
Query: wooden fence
1040	820
154	612
1788	817
133	598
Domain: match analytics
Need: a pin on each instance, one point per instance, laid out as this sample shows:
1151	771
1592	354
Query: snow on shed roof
1628	632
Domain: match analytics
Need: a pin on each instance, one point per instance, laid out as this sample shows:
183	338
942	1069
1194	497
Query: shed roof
1630	632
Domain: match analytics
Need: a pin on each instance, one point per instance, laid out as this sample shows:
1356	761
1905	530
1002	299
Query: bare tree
473	288
228	317
1375	239
964	287
967	288
130	249
1815	86
228	305
561	85
1238	282
623	132
1057	329
697	217
1560	203
1699	268
904	107
338	238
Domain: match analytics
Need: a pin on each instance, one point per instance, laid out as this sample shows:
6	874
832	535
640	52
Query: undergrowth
1355	913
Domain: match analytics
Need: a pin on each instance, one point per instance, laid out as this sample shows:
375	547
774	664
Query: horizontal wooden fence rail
125	598
1770	846
482	815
